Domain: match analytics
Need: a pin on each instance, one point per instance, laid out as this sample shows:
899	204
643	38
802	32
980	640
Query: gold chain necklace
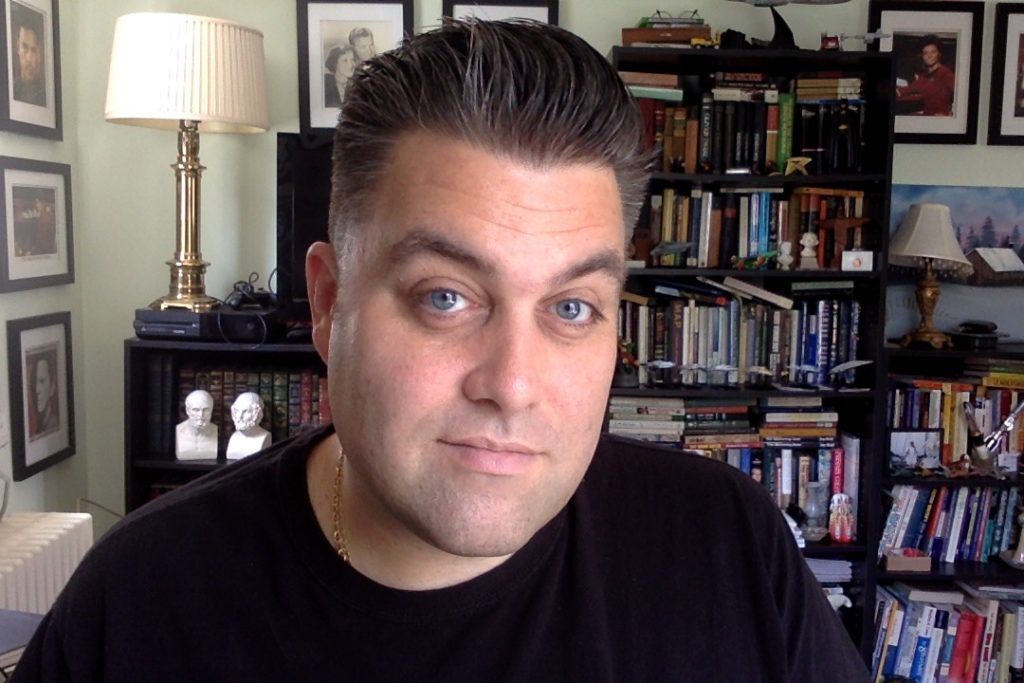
338	511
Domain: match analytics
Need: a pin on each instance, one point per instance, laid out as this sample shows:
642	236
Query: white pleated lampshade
927	232
166	68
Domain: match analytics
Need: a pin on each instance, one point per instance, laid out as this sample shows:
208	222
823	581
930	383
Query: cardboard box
907	560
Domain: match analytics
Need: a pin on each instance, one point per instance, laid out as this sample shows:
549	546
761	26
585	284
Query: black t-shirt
663	567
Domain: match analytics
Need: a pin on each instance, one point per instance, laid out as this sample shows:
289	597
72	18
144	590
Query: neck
380	546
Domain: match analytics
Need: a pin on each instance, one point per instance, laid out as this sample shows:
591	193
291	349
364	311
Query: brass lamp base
927	298
188	288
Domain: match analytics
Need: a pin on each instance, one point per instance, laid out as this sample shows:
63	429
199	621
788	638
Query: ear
322	289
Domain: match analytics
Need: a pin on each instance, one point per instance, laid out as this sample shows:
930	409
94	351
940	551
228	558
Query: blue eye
574	310
447	300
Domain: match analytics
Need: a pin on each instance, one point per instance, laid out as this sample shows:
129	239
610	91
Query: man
196	436
45	386
26	30
466	521
361	40
934	85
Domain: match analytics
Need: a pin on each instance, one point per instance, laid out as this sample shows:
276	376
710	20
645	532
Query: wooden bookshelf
860	409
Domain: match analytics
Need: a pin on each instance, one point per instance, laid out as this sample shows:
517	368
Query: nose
508	363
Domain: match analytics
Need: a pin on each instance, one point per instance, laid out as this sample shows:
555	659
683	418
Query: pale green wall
124	213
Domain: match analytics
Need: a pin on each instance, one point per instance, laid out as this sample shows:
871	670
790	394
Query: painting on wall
982	216
30	68
334	39
41	393
496	10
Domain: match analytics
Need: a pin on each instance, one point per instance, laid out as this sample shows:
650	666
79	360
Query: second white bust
249	437
197	436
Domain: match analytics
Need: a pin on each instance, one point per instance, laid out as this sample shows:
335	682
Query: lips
489	456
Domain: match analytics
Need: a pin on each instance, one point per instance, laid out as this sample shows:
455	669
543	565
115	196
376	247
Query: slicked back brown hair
522	89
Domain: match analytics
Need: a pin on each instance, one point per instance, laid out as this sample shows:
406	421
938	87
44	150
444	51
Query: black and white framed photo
41	392
496	10
915	450
30	68
1006	104
334	39
36	245
936	48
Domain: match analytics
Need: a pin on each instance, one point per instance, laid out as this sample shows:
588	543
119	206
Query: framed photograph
30	68
41	393
334	38
1006	106
36	247
915	450
936	48
496	10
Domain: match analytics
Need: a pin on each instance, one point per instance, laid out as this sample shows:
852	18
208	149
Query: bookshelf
748	88
926	388
158	375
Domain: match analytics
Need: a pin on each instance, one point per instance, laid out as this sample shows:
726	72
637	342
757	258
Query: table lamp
926	239
187	73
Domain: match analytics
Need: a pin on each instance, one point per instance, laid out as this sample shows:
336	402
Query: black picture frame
40	437
478	8
912	450
957	27
36	232
34	28
1006	111
323	28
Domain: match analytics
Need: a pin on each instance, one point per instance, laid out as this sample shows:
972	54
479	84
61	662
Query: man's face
364	47
44	386
30	56
198	409
930	55
473	345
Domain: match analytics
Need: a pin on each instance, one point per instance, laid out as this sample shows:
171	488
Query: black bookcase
860	410
154	372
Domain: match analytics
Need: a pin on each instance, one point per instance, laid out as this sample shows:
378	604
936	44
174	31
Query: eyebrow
606	261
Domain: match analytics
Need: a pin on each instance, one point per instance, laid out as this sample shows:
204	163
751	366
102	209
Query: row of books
775	441
721	339
708	228
995	372
950	524
293	397
755	124
916	403
965	632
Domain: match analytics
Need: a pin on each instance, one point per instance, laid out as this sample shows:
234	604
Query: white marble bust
196	437
249	437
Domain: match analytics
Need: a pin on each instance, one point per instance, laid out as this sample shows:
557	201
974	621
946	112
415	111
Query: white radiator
38	553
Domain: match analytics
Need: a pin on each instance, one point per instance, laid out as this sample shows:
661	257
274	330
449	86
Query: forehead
437	182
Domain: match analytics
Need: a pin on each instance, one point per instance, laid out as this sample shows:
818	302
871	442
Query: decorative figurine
196	437
797	165
809	254
249	437
785	257
815	528
840	525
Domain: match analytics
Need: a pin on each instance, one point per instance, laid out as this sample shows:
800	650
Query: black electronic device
245	296
303	198
220	325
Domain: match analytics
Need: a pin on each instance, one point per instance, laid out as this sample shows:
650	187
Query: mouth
488	456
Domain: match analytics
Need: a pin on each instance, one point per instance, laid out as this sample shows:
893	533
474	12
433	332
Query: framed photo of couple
1006	108
334	39
496	10
41	393
30	102
936	48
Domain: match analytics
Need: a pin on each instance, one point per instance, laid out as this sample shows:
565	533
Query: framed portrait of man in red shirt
936	48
